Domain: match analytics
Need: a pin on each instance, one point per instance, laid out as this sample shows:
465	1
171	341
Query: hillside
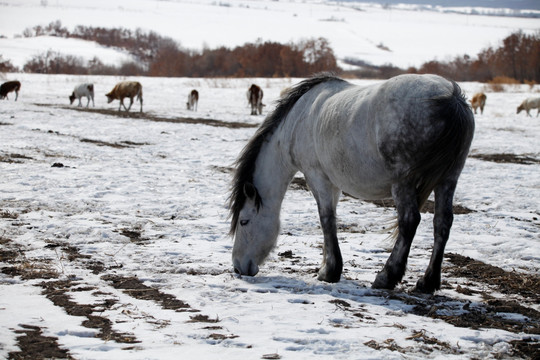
370	32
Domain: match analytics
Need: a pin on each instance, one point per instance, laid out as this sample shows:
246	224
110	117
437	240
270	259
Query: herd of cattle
133	90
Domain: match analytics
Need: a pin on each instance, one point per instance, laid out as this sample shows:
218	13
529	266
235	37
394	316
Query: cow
123	90
8	87
255	96
528	104
83	90
478	101
193	100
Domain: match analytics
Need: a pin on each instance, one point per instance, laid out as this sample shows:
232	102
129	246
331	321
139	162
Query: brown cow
125	89
193	100
478	101
255	96
8	87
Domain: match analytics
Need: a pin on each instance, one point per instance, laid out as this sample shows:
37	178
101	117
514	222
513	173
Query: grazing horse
528	104
255	96
8	87
193	100
83	90
125	89
400	139
478	101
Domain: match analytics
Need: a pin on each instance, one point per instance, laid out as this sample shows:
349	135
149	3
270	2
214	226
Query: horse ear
250	191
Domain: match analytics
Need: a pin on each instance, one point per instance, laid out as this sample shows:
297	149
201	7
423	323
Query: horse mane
245	164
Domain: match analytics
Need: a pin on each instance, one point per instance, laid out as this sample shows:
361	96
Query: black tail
449	151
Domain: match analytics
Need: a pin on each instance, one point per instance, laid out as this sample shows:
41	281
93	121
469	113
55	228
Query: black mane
245	164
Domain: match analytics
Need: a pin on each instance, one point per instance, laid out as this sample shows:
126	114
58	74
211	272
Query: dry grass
501	83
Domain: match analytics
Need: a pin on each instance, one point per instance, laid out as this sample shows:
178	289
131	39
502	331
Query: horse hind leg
408	219
442	222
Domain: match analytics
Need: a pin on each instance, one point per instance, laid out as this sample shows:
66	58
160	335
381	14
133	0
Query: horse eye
244	222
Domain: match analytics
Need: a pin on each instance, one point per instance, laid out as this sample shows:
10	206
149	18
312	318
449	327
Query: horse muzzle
248	269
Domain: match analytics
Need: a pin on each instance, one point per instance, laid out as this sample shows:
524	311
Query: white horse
400	139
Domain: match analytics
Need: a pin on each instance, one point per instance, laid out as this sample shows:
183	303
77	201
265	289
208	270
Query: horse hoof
382	282
331	277
422	286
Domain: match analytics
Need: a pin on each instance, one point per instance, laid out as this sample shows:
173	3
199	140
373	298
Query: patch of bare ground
525	285
156	118
19	265
134	235
135	288
506	158
57	293
105	143
199	318
492	312
33	345
6	214
14	158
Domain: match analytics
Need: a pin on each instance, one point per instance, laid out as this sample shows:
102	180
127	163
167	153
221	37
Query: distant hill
494	4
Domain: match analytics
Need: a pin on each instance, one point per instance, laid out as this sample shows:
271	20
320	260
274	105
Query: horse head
255	233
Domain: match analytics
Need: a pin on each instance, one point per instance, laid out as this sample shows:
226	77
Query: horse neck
273	172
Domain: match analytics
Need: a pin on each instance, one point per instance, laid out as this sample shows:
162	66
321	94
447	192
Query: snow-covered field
123	252
400	35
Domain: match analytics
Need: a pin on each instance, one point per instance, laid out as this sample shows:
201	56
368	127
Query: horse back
367	138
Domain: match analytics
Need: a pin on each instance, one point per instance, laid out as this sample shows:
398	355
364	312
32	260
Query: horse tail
448	152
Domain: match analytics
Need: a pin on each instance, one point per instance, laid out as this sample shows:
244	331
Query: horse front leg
442	222
408	220
327	197
332	265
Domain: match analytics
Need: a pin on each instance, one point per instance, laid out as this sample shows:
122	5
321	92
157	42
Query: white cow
83	90
528	104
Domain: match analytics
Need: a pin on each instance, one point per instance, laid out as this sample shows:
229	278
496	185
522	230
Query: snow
354	30
20	50
171	189
170	181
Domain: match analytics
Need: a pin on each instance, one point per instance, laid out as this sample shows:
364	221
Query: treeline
162	56
517	57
